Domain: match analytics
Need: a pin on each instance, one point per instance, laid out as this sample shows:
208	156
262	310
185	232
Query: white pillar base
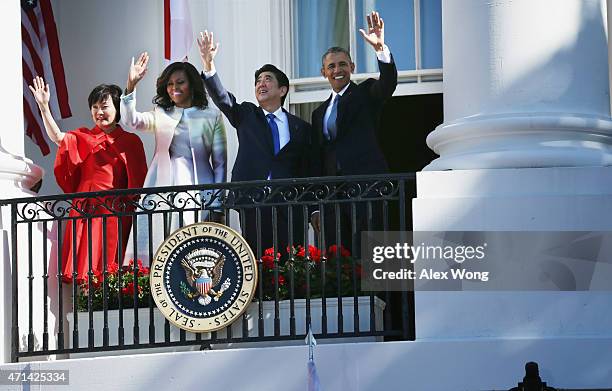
522	141
545	199
17	176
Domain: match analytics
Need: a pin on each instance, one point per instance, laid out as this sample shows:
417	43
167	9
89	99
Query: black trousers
268	228
344	223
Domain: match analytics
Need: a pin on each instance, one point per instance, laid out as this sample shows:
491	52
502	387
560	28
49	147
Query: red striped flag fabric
178	32
41	57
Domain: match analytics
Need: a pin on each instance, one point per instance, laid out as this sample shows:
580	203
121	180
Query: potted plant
309	273
119	287
303	267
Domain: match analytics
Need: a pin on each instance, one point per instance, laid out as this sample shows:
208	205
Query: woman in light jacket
190	144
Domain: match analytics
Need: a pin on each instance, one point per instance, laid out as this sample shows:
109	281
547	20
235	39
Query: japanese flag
178	32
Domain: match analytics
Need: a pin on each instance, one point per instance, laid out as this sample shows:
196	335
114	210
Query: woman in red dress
104	157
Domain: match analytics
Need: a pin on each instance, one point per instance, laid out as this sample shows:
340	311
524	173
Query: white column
525	85
523	147
17	174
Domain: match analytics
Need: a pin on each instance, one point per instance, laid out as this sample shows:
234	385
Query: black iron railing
306	285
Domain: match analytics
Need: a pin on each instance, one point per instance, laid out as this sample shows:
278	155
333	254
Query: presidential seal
203	277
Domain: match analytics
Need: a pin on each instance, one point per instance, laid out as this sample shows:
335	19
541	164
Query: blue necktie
275	135
331	121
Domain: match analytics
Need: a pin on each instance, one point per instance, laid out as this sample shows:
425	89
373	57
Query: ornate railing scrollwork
237	195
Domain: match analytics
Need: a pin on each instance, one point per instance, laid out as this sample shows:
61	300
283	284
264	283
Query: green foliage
118	287
303	272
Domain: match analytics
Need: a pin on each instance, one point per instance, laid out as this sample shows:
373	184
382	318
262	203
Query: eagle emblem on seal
203	270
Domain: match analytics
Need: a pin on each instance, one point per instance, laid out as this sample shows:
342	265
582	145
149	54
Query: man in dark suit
345	125
273	143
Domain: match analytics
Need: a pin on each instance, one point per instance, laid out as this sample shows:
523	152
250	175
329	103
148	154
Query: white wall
98	38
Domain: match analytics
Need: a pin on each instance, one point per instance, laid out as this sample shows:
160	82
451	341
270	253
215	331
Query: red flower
297	252
315	253
268	258
270	251
131	264
300	252
96	282
268	261
82	280
129	289
332	250
143	272
281	280
112	268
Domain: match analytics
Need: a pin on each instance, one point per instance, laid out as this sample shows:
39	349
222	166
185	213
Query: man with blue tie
273	143
345	125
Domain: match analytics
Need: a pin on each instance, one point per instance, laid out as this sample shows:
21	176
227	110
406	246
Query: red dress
91	160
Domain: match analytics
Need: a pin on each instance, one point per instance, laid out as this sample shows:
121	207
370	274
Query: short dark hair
196	86
281	77
101	92
335	49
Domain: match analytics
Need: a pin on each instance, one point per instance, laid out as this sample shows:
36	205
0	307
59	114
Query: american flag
41	56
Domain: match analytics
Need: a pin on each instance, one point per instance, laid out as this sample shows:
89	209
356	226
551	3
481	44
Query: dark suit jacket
355	149
256	157
256	160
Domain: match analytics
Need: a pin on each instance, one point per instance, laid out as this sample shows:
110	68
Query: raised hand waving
40	91
137	71
375	35
208	49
